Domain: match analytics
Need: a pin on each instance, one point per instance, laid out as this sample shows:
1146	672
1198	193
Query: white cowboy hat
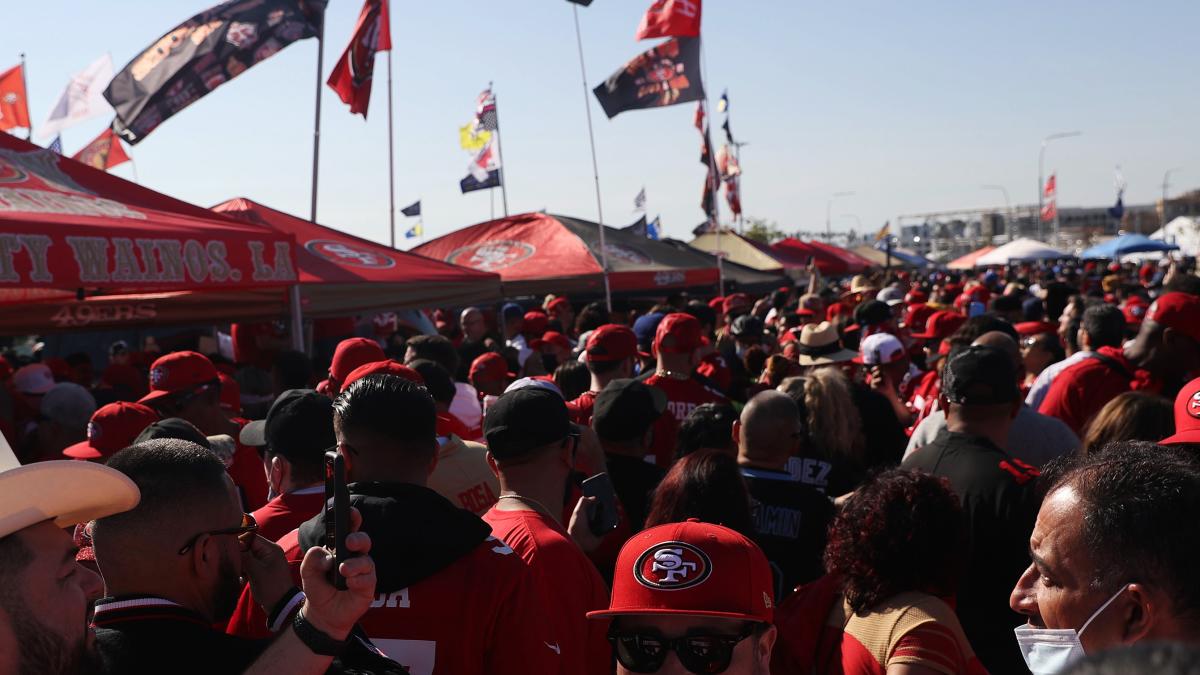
819	345
67	492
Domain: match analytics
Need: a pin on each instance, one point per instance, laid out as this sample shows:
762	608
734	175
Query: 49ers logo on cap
1193	405
347	254
672	566
94	432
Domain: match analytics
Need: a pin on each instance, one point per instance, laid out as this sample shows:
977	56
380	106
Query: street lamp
1166	175
828	205
1042	181
1007	207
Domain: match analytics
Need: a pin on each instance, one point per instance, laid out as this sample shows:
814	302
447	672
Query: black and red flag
201	54
666	74
670	18
351	77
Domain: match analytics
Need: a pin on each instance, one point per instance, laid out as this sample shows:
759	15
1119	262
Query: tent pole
587	106
391	155
297	316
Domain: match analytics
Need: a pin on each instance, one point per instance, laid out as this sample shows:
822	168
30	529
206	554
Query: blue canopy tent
1125	244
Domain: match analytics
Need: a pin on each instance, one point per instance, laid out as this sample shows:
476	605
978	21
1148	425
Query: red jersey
472	613
1079	392
581	408
568	583
682	398
448	424
285	512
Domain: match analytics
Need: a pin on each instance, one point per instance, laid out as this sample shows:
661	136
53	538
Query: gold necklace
538	506
672	374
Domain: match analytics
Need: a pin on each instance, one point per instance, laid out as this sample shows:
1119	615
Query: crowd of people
908	472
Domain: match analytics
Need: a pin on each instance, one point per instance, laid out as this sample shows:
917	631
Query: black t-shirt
1000	504
885	440
790	522
634	481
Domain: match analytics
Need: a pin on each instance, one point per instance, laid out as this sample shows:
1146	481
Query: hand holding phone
602	514
337	514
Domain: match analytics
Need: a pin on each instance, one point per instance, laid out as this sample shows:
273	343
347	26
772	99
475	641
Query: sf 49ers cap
1187	416
691	568
179	372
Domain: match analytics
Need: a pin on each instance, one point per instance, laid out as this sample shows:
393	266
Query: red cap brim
609	613
82	450
154	396
1188	437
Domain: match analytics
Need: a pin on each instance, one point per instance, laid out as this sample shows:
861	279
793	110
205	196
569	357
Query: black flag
638	227
203	53
469	184
413	209
585	3
666	74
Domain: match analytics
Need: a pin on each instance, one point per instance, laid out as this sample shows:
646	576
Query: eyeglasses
698	653
244	532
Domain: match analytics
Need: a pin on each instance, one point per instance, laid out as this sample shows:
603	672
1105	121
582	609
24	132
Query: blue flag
414	231
1118	210
56	144
652	229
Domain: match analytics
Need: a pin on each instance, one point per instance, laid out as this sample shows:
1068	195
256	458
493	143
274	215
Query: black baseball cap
747	326
872	313
523	420
980	375
174	427
299	424
625	409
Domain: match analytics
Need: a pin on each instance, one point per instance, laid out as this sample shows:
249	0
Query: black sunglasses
703	654
244	532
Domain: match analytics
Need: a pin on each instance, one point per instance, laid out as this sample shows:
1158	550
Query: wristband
318	641
282	611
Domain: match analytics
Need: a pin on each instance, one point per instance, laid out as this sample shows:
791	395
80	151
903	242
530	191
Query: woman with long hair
1132	416
892	564
705	485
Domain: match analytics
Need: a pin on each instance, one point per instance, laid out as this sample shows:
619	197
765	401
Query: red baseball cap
679	333
916	297
113	427
492	366
717	304
1177	311
1134	310
385	367
1187	415
558	303
611	342
916	316
352	353
835	310
552	337
941	325
735	301
691	569
177	372
713	367
1028	328
534	323
231	393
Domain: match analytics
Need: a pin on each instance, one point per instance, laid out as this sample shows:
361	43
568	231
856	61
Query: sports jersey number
417	655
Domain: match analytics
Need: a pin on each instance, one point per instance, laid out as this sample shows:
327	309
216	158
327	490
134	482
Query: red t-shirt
569	585
248	473
245	343
287	511
1079	392
481	615
581	408
682	398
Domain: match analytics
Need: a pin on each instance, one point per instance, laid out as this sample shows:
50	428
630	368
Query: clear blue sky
911	105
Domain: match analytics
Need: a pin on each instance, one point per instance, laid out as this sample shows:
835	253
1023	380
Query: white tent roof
1018	250
1184	232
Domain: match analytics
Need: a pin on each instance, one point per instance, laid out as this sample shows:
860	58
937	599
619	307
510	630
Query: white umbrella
1019	250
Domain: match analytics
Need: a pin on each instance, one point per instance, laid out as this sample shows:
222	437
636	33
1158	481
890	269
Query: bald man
790	515
1033	438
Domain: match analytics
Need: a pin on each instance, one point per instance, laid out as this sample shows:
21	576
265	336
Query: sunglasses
244	533
698	653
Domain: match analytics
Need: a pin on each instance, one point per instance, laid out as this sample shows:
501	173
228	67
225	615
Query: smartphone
337	514
602	514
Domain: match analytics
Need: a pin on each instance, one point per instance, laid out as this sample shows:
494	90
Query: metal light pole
1042	182
1166	175
829	205
1007	208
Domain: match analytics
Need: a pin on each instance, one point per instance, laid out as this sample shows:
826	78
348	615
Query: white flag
484	161
82	99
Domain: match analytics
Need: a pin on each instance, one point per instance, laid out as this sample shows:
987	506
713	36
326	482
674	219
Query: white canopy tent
1184	232
1020	250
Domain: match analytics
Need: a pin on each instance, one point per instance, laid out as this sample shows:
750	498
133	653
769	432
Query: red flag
733	195
104	152
670	18
14	105
1050	206
351	77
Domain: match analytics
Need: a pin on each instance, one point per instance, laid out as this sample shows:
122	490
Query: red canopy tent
536	252
68	227
339	274
831	261
967	261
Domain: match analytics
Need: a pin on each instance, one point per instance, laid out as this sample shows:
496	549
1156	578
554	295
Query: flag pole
714	178
294	295
132	165
391	153
25	86
587	106
500	153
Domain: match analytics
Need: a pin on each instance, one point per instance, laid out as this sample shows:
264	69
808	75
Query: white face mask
1050	650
